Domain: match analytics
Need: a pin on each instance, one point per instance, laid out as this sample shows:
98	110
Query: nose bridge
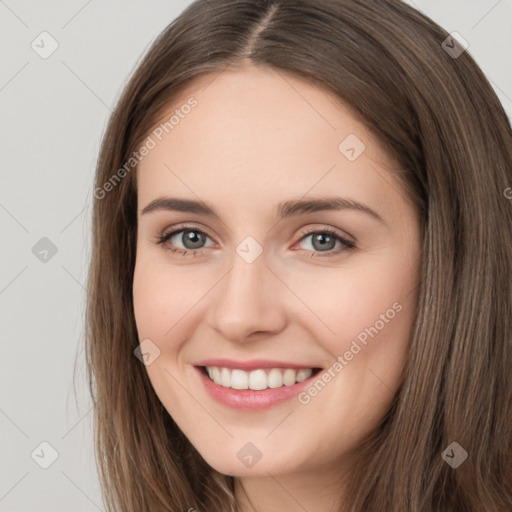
247	277
247	299
246	285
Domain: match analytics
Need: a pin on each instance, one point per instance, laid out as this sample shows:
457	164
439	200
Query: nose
248	302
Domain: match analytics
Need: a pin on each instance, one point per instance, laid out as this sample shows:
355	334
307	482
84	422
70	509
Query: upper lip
253	364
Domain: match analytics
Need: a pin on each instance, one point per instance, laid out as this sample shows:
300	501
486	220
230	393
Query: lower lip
250	399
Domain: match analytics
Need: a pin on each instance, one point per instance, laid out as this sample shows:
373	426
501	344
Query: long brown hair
438	116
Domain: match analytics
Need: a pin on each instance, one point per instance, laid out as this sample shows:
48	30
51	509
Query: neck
317	491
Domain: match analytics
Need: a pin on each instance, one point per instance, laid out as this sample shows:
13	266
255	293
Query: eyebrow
285	209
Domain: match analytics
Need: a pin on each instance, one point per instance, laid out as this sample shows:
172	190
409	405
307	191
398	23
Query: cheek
343	304
163	295
163	299
364	320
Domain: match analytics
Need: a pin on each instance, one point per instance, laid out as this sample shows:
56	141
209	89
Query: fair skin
257	138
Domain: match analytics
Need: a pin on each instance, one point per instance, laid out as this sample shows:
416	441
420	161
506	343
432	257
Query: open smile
256	389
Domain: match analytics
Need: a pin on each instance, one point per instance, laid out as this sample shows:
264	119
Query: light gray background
53	114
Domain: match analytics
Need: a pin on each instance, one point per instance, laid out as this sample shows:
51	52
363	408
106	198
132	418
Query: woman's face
264	281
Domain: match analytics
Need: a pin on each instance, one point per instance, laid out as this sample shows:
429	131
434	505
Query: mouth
258	379
259	386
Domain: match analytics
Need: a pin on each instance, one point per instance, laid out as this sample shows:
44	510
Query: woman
300	292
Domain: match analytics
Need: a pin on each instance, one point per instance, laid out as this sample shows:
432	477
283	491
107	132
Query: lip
253	364
252	400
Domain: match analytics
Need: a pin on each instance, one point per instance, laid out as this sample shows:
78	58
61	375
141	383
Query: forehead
256	134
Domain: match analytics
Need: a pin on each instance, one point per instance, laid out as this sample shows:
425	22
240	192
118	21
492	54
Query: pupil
192	239
326	241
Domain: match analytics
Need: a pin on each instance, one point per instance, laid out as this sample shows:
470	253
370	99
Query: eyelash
347	245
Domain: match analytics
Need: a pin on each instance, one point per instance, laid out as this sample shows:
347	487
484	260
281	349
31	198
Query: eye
326	241
191	240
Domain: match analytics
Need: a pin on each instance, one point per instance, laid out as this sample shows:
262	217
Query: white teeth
257	379
225	377
274	378
289	377
239	379
303	374
216	375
